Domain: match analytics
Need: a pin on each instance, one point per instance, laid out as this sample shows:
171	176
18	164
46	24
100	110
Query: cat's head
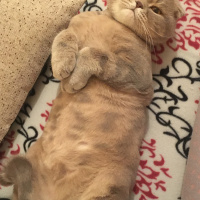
149	19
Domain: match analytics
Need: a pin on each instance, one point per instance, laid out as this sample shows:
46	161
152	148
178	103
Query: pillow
27	30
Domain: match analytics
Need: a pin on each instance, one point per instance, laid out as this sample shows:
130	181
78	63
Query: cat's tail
18	171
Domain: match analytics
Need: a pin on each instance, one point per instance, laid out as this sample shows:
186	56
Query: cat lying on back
90	146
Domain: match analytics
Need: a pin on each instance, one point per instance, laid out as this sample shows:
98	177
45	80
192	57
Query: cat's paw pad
64	67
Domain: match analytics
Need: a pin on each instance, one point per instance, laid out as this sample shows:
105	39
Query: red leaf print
50	104
197	101
142	198
160	185
165	170
159	163
105	2
15	152
148	179
152	174
46	114
42	127
156	54
188	31
150	147
147	191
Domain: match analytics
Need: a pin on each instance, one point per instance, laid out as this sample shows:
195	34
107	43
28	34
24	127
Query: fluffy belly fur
90	145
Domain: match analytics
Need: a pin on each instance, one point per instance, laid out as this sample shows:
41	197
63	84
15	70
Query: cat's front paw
74	83
87	65
63	67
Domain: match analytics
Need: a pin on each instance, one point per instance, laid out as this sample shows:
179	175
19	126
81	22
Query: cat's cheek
125	13
127	17
130	15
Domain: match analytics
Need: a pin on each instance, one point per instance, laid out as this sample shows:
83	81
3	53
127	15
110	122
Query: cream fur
90	146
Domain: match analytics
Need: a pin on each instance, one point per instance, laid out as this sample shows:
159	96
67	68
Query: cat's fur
90	146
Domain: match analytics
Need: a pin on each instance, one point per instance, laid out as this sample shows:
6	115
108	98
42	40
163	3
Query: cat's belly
97	129
97	123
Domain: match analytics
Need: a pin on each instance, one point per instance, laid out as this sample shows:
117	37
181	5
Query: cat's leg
87	65
97	62
116	70
64	53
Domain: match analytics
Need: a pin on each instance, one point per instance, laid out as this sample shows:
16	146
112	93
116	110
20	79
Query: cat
90	146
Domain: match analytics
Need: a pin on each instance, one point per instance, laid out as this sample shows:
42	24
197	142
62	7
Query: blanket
172	112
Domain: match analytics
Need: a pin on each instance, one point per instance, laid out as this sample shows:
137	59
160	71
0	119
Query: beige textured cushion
27	29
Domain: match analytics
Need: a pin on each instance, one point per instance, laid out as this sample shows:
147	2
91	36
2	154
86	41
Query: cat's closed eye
156	10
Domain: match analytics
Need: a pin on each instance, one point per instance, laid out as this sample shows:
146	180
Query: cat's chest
100	31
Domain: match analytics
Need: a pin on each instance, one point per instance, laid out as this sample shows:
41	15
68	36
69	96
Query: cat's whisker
159	34
153	46
142	22
146	36
145	19
150	40
143	27
143	16
148	33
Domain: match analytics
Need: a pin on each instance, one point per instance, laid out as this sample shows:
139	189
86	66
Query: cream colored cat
90	146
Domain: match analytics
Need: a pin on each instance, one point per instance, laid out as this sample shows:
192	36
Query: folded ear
179	11
18	171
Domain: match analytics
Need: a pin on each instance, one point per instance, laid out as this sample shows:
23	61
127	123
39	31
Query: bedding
172	112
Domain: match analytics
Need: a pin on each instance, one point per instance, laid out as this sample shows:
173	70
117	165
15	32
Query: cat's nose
139	4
